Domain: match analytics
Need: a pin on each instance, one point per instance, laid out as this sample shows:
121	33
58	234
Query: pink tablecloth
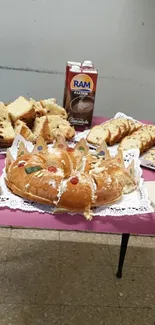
139	224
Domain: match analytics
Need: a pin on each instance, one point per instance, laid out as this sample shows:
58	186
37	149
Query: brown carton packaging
80	97
68	66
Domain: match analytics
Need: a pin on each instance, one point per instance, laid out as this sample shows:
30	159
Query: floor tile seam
27	304
91	306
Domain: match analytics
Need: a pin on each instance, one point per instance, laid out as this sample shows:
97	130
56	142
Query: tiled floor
68	278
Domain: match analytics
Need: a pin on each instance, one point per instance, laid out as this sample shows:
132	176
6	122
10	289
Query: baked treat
56	177
32	118
150	155
98	134
53	108
41	128
39	110
24	130
112	131
59	126
7	134
4	116
21	109
143	139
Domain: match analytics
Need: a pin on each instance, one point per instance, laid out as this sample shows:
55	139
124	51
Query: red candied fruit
21	164
74	180
69	149
119	160
52	169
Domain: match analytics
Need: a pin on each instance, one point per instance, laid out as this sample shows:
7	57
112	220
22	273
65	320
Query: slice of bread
41	128
131	125
4	116
131	142
151	130
150	155
114	131
138	125
59	126
52	108
145	136
98	134
21	109
23	129
124	127
39	110
7	133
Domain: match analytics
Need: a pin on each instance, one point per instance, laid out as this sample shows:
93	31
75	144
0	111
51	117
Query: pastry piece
4	116
98	134
39	110
23	129
38	184
150	155
50	176
115	133
77	183
142	139
41	128
144	135
123	125
132	126
52	108
21	109
108	190
7	134
58	126
122	175
151	130
138	125
131	142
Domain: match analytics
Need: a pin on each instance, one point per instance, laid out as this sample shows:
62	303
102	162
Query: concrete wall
118	35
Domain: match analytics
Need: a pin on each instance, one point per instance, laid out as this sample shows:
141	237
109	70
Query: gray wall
118	35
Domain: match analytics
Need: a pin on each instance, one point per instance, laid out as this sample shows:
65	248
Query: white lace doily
136	202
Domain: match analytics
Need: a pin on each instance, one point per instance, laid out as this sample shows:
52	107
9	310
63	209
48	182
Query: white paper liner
134	203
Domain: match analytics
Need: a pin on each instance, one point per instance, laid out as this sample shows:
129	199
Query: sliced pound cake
41	128
53	108
21	109
98	134
150	155
23	129
4	116
131	142
59	126
7	134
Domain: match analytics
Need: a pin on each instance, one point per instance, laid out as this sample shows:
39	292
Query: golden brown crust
98	134
59	178
143	139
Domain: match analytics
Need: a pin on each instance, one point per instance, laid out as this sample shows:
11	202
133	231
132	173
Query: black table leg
123	248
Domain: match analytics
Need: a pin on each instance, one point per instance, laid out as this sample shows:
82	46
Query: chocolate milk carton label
68	66
81	95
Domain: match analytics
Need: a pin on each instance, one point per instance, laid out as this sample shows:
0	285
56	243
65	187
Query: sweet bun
71	179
